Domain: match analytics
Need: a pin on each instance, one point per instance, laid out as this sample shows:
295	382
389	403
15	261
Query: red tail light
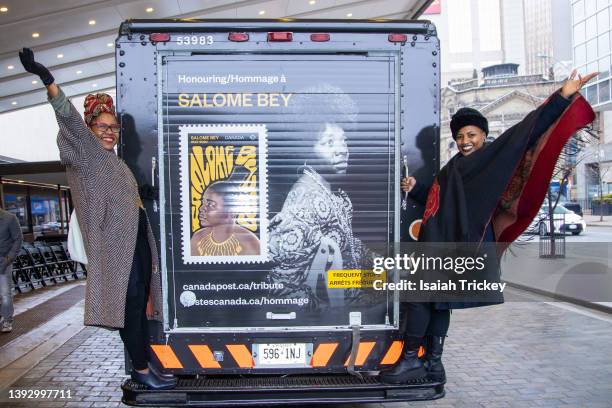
398	37
319	37
238	37
159	37
280	36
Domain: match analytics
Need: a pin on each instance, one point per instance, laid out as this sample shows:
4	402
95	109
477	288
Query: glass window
591	27
561	210
591	94
580	55
17	203
592	67
578	9
45	211
602	3
590	7
579	33
603	44
603	22
591	50
604	67
604	91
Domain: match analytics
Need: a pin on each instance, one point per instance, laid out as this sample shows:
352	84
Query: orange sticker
414	229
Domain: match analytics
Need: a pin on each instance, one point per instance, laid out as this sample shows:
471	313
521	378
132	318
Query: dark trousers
135	333
424	319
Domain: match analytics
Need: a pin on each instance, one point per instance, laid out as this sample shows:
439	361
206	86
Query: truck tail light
238	37
280	36
159	37
398	37
319	37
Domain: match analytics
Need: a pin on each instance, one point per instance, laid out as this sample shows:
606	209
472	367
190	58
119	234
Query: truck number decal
195	40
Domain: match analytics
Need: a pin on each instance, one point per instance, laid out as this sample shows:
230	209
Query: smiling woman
123	282
487	193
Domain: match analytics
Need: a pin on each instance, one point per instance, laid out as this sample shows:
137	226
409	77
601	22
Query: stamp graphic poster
223	193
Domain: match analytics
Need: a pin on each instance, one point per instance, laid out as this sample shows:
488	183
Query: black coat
494	193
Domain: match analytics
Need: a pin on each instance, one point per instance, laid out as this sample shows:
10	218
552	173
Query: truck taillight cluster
395	37
159	37
238	37
319	37
281	36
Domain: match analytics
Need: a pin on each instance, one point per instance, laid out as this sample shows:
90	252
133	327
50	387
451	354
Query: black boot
152	381
435	369
409	368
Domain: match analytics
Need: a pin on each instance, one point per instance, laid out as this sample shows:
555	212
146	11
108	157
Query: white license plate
276	354
573	227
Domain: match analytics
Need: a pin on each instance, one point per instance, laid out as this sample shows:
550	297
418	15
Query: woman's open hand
407	184
573	85
29	64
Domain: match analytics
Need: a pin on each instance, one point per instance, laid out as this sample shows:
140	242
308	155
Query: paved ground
521	354
596	220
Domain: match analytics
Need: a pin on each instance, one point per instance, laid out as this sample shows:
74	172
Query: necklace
209	247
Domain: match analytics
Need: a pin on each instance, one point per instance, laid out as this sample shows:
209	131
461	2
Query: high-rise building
591	44
470	33
475	34
547	36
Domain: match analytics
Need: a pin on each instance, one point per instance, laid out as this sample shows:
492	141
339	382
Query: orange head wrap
97	104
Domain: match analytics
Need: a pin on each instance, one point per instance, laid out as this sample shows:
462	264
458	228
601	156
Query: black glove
27	60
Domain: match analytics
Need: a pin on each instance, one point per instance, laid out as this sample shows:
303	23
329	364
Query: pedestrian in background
10	244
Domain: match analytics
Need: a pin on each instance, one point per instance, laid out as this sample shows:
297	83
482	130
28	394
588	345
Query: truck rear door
278	177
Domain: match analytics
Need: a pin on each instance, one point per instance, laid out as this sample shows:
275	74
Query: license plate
280	354
573	227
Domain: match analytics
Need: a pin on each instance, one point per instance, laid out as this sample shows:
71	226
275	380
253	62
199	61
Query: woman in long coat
123	267
487	193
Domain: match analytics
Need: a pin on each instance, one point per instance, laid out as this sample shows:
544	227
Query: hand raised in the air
29	64
573	85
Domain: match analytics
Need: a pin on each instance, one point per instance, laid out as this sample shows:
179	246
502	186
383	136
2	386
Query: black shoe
409	368
152	381
166	376
435	368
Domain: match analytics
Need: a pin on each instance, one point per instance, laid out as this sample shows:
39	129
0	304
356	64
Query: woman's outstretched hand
407	184
573	85
29	64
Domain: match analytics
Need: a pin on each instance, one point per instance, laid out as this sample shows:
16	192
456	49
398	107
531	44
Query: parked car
564	221
573	206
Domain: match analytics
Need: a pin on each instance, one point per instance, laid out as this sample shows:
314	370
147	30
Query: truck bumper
273	390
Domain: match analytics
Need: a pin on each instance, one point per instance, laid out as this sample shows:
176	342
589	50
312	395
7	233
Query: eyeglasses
103	128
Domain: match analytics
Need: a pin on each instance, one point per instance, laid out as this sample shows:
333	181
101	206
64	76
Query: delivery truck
269	155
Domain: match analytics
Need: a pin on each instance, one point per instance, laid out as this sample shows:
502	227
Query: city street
592	234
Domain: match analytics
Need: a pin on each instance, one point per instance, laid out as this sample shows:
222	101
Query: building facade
475	34
547	37
592	46
503	96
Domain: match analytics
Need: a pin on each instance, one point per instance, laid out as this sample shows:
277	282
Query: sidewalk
529	352
594	220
